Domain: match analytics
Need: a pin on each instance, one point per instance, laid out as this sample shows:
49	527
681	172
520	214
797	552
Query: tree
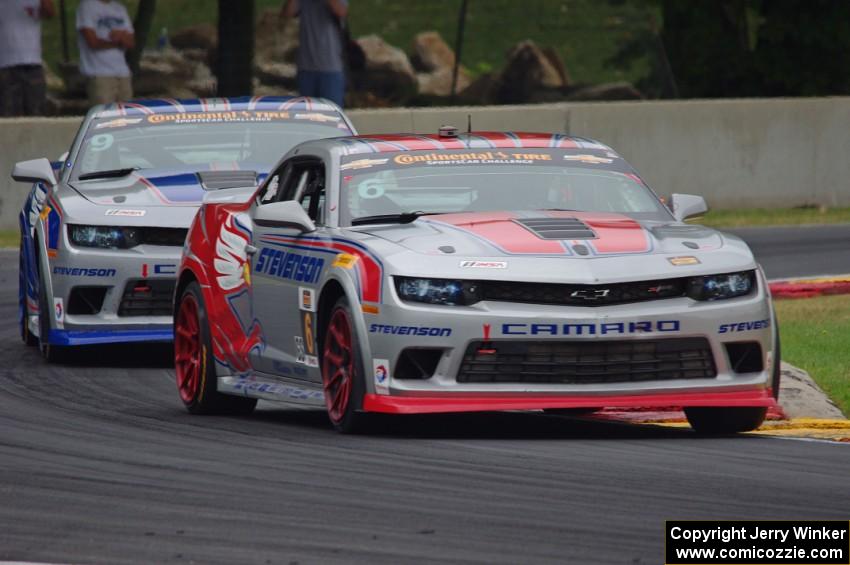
142	25
708	45
235	47
803	48
726	48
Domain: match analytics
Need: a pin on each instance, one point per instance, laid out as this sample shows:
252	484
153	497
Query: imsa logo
611	328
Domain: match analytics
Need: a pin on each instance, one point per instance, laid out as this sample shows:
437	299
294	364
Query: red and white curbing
809	287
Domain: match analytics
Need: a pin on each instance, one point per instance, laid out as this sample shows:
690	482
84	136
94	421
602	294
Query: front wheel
776	377
23	309
193	361
725	420
342	377
51	353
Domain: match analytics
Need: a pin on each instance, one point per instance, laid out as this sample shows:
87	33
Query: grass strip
816	337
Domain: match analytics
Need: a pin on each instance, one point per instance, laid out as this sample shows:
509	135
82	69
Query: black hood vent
219	180
557	228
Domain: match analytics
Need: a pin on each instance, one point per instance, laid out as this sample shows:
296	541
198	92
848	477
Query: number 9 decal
101	142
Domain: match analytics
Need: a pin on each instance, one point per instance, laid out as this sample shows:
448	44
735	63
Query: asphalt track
800	251
99	463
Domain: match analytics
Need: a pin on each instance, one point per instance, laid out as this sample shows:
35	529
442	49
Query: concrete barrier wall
736	153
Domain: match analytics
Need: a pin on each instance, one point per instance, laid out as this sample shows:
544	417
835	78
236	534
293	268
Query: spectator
320	50
22	87
105	32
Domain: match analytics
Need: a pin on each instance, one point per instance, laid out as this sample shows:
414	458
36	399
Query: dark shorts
22	91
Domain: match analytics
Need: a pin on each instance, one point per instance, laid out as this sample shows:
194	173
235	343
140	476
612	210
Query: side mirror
686	206
37	170
287	214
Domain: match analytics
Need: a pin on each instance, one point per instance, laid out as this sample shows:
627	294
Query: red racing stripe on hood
498	229
615	233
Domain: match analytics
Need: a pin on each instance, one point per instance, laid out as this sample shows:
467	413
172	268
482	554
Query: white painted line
796	438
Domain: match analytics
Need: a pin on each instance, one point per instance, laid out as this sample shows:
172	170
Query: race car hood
164	188
554	246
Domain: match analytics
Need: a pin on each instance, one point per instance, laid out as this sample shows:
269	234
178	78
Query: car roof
394	143
192	105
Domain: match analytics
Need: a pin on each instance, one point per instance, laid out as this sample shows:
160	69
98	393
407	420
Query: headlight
104	236
437	291
718	287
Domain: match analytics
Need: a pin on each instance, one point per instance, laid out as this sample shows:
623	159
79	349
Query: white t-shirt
102	17
20	33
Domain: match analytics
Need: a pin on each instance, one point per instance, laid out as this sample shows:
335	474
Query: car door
286	269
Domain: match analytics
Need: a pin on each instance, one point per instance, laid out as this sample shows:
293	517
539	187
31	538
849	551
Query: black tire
51	353
570	411
725	420
23	312
777	366
351	419
201	396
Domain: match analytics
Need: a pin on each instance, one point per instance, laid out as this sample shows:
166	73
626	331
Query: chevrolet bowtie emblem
590	294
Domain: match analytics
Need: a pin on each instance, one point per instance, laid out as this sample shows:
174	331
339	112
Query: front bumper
490	402
451	330
121	316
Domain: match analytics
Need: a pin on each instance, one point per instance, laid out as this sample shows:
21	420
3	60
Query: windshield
200	141
586	180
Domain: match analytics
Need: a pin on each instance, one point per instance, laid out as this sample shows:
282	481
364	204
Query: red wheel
194	364
187	349
341	376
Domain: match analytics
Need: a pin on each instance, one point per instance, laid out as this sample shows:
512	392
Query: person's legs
308	83
103	90
332	87
11	92
98	90
5	93
124	88
34	91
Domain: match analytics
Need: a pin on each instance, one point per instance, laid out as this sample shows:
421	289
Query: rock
165	72
196	54
388	73
204	82
435	59
275	39
361	99
557	63
54	81
199	36
67	106
439	83
275	74
801	397
431	53
481	91
528	70
270	90
607	91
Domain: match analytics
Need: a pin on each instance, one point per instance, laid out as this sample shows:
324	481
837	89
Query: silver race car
456	273
102	230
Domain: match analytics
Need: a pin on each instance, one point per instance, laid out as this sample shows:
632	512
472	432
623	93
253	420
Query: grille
579	362
582	294
557	228
147	298
86	300
164	236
